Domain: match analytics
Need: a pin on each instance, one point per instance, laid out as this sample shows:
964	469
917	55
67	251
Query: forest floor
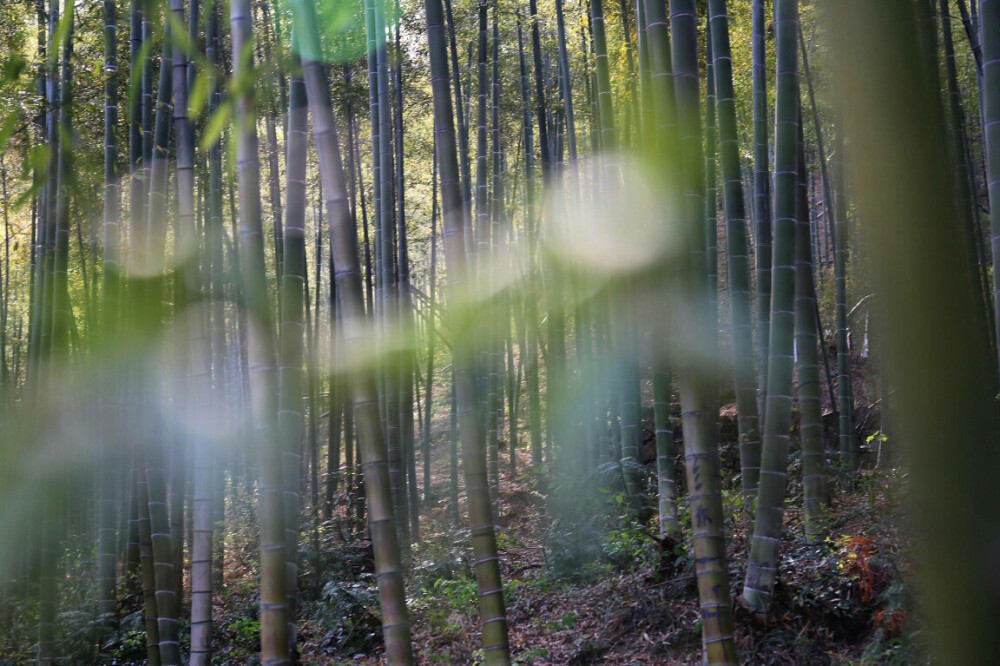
597	590
590	582
601	589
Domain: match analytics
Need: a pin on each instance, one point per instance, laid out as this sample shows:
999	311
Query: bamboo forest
552	332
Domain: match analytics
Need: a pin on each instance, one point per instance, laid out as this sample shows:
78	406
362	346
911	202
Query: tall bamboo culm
491	606
274	637
989	22
762	567
355	330
737	255
663	124
698	402
761	214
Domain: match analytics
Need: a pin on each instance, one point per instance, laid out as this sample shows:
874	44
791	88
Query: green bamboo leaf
7	128
34	168
216	124
179	35
135	77
59	37
199	93
230	162
13	67
341	25
244	76
37	162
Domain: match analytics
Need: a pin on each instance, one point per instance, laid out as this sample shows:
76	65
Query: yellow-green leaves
217	124
239	86
135	76
58	38
12	68
341	27
7	127
200	92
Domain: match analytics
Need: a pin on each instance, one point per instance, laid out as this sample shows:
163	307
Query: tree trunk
737	256
344	244
491	606
762	567
261	356
696	387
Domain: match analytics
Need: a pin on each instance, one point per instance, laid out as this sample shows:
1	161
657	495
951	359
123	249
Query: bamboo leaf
59	37
35	168
199	93
216	125
7	129
341	26
179	36
13	67
135	78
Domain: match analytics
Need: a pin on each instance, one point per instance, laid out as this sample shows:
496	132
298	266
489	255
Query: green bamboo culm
492	612
737	256
41	325
904	190
291	376
836	209
606	112
167	602
140	149
261	351
966	178
762	566
214	250
711	185
845	394
107	608
199	386
663	143
806	347
344	241
481	256
622	344
989	25
531	304
697	387
500	316
388	309
762	221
